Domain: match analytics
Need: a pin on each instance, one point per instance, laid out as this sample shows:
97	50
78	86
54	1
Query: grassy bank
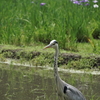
25	22
84	58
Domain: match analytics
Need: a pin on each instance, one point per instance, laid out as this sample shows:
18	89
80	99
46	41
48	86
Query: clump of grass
82	63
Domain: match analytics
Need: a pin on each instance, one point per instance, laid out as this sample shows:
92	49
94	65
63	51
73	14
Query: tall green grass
24	22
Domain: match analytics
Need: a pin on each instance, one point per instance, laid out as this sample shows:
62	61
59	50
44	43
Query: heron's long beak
48	46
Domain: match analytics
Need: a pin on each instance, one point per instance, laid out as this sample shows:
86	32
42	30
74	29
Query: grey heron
64	89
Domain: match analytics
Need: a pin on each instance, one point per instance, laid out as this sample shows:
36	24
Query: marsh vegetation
25	22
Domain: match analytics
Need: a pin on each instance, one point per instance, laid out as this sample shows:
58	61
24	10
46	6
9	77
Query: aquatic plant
25	22
81	2
85	2
95	1
42	4
95	6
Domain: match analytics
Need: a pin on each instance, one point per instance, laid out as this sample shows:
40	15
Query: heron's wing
74	94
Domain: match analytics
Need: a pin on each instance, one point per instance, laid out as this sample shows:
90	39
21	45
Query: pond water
27	83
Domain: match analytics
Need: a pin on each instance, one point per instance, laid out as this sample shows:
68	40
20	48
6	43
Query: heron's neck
56	64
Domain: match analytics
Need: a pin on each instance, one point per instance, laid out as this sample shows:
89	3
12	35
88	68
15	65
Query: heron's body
64	89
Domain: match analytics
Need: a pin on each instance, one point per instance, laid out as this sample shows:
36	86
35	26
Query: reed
25	22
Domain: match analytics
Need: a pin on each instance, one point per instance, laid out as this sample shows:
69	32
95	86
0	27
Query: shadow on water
24	83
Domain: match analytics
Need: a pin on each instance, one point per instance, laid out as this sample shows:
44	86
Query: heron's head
52	44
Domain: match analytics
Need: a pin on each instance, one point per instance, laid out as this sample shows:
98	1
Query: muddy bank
75	60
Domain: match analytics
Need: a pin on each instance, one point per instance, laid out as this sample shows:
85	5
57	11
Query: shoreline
12	62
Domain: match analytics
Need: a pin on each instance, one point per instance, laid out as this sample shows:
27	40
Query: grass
84	49
25	22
